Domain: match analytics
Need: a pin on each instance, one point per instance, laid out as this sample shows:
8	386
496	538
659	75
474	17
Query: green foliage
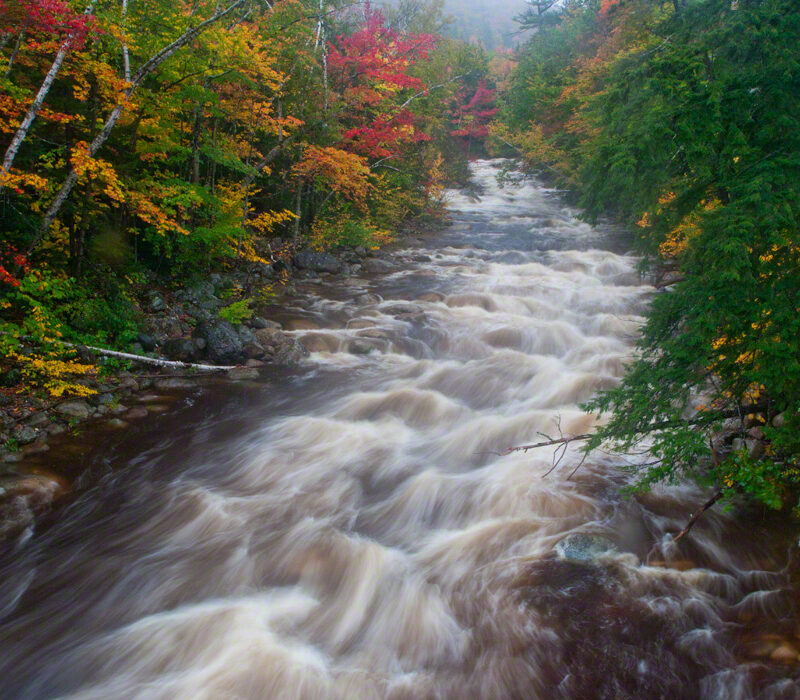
689	125
237	312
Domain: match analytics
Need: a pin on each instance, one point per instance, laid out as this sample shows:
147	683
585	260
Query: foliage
237	312
687	124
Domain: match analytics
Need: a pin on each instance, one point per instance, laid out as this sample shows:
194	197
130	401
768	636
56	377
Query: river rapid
349	530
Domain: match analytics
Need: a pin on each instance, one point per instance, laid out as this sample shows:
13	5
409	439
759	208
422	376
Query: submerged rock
243	373
584	547
280	348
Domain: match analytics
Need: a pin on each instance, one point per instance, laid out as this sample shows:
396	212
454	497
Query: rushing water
347	530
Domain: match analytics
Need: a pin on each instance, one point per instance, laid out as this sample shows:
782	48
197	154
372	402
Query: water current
348	529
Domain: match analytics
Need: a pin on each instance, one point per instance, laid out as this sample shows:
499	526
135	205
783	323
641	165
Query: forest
150	143
681	120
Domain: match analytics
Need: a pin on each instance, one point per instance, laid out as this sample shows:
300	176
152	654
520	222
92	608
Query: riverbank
183	328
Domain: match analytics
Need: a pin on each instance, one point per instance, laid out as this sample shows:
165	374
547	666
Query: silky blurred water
348	530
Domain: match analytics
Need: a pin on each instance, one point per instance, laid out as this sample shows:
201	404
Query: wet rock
25	435
422	258
255	363
376	333
129	383
243	374
360	251
317	262
181	349
301	324
136	413
116	424
147	342
100	411
368	299
279	347
223	344
319	342
373	266
37	420
359	323
784	654
118	409
156	303
74	409
36	448
404	309
584	547
254	350
261	323
359	347
56	429
157	408
432	297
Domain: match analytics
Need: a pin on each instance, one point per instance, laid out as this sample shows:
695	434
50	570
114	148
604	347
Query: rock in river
584	547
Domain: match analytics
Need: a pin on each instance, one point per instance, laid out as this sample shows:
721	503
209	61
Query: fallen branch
546	443
153	360
695	517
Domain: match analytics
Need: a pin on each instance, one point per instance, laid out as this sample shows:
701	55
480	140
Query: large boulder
181	349
224	345
317	262
279	347
583	547
377	267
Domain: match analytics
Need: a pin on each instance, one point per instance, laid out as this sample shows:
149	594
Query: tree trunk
149	66
33	111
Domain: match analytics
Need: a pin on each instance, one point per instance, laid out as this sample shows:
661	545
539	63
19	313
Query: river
348	529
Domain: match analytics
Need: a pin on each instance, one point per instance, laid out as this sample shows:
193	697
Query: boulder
260	323
279	347
223	344
374	266
317	262
74	409
148	342
25	435
583	547
181	349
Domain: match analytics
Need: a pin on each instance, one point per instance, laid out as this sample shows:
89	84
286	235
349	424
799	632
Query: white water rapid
348	530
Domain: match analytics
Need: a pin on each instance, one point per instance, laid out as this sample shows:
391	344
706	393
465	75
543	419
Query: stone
784	654
261	323
74	409
374	266
319	342
359	323
368	298
100	411
255	363
157	408
118	409
360	250
779	421
148	342
243	373
432	297
136	412
156	303
36	448
200	343
422	258
37	420
376	333
583	547
254	350
359	347
105	398
25	435
279	347
302	324
317	262
401	309
181	349
224	346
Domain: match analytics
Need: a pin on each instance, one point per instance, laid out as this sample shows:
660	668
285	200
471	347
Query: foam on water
366	539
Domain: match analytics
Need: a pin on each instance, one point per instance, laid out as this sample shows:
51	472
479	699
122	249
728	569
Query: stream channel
347	529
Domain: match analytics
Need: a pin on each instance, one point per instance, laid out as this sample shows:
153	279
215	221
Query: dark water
345	530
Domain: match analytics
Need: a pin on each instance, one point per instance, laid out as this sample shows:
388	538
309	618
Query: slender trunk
33	111
14	53
149	66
